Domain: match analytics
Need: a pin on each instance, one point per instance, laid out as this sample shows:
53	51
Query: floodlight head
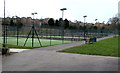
63	9
34	13
85	16
96	19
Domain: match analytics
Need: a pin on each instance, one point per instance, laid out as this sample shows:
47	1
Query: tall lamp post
33	32
96	20
63	11
4	49
96	23
63	24
84	25
15	22
34	14
33	29
4	39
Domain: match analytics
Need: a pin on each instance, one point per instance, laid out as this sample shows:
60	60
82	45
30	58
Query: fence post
6	33
17	35
50	35
63	36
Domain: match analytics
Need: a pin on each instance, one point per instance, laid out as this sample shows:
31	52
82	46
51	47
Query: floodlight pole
96	23
63	11
62	23
33	30
15	18
4	39
96	20
62	14
84	25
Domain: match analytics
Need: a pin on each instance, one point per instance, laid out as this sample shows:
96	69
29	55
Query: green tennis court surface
21	41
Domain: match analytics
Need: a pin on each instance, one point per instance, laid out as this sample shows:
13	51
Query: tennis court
21	41
48	36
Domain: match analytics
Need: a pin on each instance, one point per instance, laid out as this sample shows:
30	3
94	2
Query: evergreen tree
51	22
61	22
56	23
66	23
12	23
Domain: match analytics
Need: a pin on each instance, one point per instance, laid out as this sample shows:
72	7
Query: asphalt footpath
0	62
47	59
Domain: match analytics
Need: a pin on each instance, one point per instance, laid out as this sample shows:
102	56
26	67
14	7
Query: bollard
5	50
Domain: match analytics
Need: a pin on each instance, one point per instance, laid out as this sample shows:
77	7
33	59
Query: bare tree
114	23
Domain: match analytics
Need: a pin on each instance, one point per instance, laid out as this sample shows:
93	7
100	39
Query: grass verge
19	47
107	47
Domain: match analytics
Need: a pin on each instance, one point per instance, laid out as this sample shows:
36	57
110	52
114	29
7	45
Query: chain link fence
47	35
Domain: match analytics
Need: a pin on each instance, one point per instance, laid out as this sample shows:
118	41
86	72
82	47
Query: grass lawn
12	42
107	47
19	47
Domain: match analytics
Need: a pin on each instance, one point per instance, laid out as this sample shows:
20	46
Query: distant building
29	21
99	24
46	20
43	21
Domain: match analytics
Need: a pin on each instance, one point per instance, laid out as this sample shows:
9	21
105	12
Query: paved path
63	46
47	59
0	63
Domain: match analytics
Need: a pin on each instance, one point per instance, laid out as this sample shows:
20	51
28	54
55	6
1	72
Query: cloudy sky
76	9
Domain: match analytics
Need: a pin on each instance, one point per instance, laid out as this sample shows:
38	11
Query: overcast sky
76	9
